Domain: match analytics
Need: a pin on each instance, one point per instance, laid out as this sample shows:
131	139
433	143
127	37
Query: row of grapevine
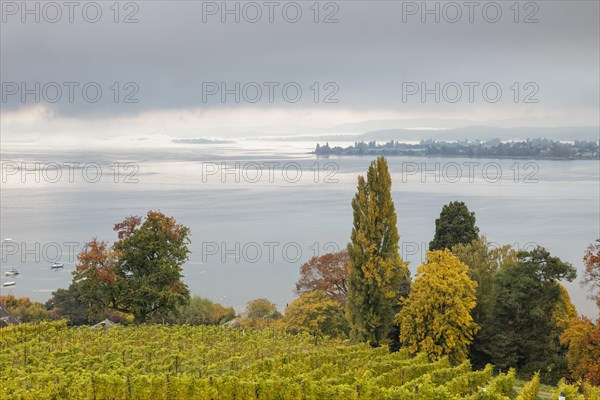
51	361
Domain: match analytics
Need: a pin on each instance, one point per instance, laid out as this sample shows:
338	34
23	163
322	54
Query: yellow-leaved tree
436	316
317	314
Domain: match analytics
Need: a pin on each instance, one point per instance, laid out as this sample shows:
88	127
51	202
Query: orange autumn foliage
328	273
97	258
583	339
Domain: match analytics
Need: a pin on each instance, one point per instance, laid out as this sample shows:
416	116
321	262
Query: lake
258	209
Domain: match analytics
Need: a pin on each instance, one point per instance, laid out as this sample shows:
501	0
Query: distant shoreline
536	149
457	156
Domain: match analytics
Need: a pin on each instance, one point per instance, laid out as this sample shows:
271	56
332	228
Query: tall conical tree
377	275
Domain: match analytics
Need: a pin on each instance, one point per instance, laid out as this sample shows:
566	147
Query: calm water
257	218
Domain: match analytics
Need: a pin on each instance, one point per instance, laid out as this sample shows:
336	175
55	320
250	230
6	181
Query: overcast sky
371	64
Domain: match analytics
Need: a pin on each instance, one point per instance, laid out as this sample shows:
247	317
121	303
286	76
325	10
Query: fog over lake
271	206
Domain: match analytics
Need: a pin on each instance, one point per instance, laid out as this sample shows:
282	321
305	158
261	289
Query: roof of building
6	317
106	323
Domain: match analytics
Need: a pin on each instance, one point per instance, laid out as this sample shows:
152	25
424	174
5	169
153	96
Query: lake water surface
258	210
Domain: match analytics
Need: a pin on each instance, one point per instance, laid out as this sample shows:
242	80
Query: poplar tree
378	277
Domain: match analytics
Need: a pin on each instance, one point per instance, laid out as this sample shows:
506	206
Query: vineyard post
94	386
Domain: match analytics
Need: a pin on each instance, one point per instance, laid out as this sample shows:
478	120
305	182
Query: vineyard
51	361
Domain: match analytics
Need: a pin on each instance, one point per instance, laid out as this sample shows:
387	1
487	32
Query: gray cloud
368	54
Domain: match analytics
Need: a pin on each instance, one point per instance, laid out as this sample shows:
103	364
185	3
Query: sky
230	69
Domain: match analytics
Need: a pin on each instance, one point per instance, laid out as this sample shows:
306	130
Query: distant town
495	148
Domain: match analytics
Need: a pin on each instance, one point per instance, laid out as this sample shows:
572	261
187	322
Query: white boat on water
12	272
9	283
56	266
